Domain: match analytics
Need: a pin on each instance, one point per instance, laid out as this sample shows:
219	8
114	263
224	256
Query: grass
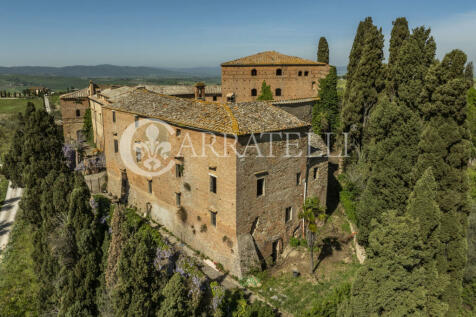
296	294
11	106
3	189
18	283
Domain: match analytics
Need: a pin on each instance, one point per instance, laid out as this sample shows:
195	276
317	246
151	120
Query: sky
183	33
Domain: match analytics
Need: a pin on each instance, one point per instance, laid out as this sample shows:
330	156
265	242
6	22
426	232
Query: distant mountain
112	71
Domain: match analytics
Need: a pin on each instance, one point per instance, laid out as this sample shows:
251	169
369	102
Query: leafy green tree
469	74
366	83
266	93
445	147
323	51
471	112
325	113
392	153
176	302
312	212
395	280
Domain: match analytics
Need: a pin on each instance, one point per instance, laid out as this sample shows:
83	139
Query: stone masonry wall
72	123
238	80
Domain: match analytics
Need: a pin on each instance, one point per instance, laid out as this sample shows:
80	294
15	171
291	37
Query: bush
327	306
294	242
348	197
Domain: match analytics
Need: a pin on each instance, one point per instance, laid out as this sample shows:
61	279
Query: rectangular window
136	121
138	154
213	184
113	116
178	199
178	132
116	146
314	173
260	187
288	214
298	179
214	98
179	170
150	185
213	218
78	113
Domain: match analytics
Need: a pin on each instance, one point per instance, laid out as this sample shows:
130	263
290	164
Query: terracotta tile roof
82	93
270	58
240	119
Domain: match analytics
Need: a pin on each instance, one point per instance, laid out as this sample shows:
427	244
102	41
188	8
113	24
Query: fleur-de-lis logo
153	148
152	156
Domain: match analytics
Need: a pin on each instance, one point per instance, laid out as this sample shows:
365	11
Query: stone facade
289	77
72	114
250	230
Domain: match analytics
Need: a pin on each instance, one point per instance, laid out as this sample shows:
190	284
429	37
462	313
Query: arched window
300	73
306	73
254	92
278	92
279	72
254	72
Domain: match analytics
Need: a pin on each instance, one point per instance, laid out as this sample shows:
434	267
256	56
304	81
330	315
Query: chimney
200	91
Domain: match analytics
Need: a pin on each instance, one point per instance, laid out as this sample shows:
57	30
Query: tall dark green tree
408	72
400	33
445	147
392	153
88	126
323	51
395	279
138	289
367	82
176	302
469	74
325	113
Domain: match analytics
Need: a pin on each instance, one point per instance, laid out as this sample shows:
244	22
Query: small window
254	72
300	73
306	73
113	116
179	170
298	179
149	182
178	199
78	113
136	121
213	218
278	92
279	72
214	98
178	132
260	187
314	173
138	154
213	184
288	214
254	92
116	146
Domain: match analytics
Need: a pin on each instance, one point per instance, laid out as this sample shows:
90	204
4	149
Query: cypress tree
323	51
408	72
392	153
445	147
176	302
400	33
469	74
139	284
325	113
395	279
367	83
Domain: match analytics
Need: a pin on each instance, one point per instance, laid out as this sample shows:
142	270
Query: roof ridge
234	123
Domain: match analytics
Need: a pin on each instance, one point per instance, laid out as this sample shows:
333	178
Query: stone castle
239	210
